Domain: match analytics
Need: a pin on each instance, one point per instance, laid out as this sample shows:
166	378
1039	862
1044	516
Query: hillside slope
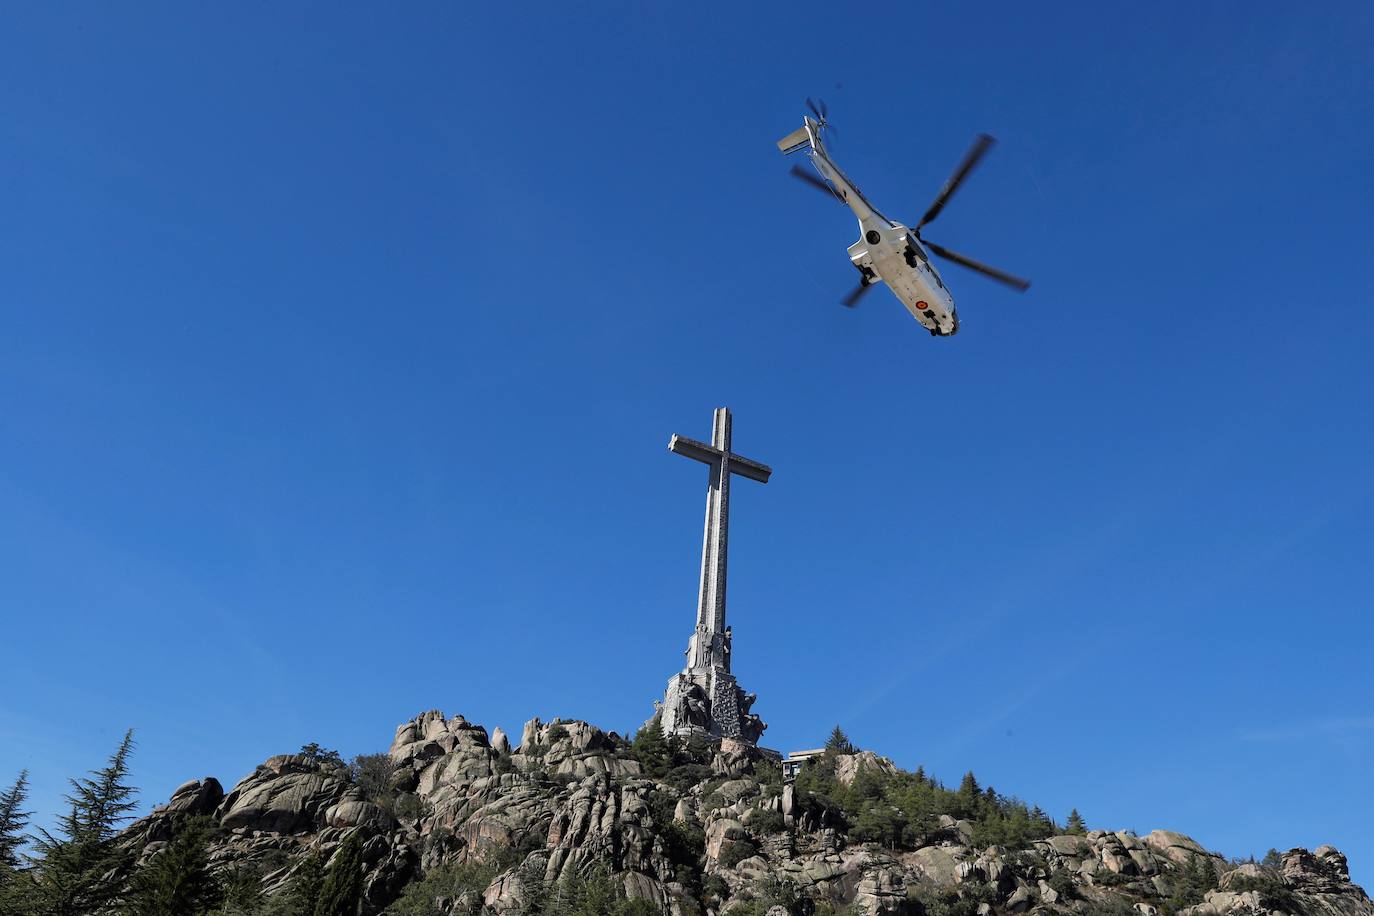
455	821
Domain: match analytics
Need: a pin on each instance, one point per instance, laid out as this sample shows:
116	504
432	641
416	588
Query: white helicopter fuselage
886	250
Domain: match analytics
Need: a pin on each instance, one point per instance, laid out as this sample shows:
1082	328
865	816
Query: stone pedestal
705	699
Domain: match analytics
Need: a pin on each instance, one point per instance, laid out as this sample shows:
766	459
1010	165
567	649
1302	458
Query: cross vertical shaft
715	540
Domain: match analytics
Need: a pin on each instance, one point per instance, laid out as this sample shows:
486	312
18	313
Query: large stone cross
711	598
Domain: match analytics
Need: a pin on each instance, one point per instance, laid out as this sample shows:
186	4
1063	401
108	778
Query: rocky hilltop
453	820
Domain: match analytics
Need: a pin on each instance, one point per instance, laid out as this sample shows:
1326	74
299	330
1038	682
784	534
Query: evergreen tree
178	881
838	742
1075	824
652	749
303	892
342	890
372	774
14	884
242	889
76	872
1192	881
321	754
13	820
969	795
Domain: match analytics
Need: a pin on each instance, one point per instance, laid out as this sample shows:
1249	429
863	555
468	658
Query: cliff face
706	837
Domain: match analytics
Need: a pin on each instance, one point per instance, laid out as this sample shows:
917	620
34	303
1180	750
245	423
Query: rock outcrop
713	833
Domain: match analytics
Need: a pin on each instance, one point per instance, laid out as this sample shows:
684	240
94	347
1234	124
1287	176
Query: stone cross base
708	702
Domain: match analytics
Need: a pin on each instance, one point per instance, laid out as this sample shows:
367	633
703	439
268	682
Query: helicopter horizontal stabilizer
794	141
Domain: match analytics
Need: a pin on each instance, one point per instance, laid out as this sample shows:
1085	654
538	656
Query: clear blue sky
340	347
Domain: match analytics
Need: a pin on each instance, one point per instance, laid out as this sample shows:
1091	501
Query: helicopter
888	251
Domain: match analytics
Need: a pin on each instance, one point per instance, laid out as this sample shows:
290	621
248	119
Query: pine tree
652	749
241	887
14	884
13	820
1075	824
178	881
838	742
969	795
342	891
72	871
303	893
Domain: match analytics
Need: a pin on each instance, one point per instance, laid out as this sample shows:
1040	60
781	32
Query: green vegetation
964	902
596	893
1075	824
372	773
242	889
683	843
737	852
652	749
774	891
451	881
343	881
321	754
593	893
838	743
767	820
302	891
902	810
1191	882
178	881
13	820
1275	894
79	869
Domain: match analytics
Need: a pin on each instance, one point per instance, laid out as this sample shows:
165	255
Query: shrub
737	852
450	881
1063	885
410	806
1275	894
768	820
685	775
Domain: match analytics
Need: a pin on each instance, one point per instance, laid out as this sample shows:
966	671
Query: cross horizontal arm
708	454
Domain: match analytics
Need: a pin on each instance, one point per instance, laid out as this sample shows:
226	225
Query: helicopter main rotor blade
856	294
976	152
802	174
1000	276
817	110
